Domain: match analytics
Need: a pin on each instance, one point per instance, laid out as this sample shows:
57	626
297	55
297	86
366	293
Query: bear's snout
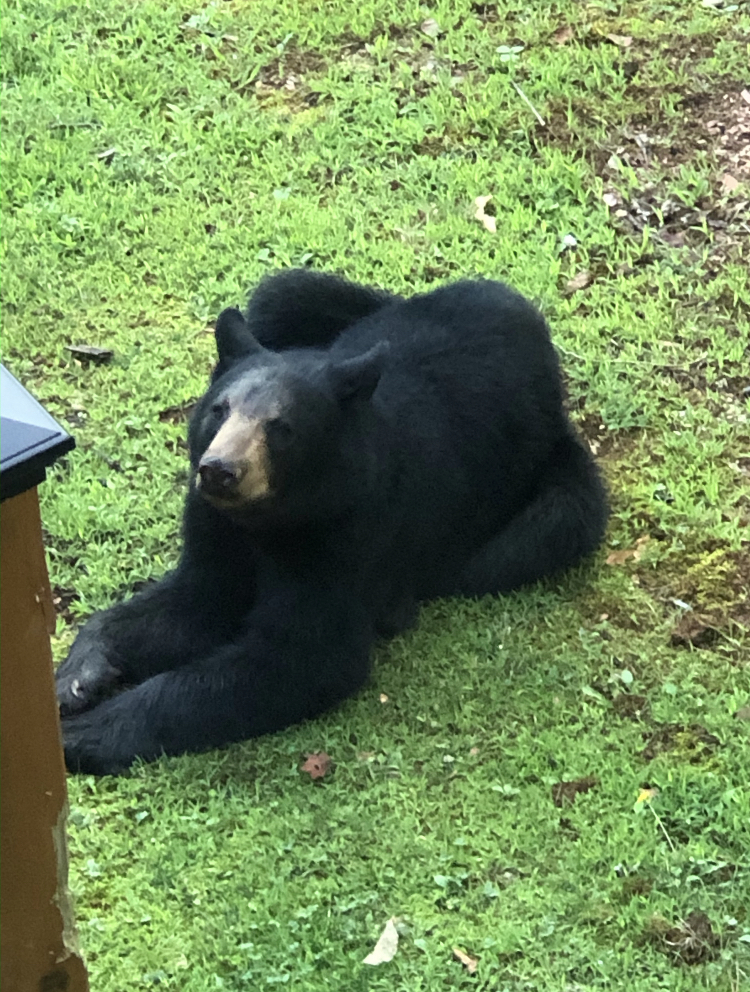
235	467
219	478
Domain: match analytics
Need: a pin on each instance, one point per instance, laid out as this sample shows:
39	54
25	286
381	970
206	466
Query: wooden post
38	946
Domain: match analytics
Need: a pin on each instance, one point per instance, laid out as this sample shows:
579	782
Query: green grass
157	159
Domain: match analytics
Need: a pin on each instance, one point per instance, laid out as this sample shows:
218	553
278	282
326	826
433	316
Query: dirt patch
655	148
692	743
690	941
713	582
288	77
576	141
62	599
178	414
565	792
704	375
636	885
631	706
601	440
290	69
693	632
655	145
284	80
717	122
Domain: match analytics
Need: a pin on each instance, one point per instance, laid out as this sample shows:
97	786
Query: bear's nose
218	478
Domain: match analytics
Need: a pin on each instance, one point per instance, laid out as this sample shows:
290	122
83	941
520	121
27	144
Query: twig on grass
528	103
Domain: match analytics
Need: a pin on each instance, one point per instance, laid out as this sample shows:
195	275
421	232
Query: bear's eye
220	410
279	431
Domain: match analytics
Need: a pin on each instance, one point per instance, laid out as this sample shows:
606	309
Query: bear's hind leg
563	524
301	308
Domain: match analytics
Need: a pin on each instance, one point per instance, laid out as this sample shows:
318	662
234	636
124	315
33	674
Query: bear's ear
234	340
358	377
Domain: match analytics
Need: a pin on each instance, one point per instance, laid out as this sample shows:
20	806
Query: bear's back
475	355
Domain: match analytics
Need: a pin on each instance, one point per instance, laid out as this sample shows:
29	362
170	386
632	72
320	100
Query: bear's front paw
83	754
95	743
84	679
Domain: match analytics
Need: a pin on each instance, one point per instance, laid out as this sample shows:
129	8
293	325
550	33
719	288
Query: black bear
355	453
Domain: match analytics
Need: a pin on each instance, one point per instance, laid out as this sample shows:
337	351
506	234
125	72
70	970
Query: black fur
422	450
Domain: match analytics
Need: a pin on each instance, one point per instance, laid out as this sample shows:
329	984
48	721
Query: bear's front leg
182	618
87	676
303	652
106	740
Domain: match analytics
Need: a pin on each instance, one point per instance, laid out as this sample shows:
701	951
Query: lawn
157	160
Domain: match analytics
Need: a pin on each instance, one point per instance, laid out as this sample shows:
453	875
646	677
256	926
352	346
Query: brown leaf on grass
486	220
729	183
431	28
580	281
563	35
625	554
466	960
90	353
317	765
566	792
621	40
387	945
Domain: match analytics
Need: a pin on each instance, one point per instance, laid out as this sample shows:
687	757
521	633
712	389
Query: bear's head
268	435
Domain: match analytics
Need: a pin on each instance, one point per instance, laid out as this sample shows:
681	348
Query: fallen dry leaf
580	281
611	199
729	183
431	28
621	40
566	792
624	554
745	94
743	713
563	35
473	750
90	353
466	960
317	765
487	220
386	947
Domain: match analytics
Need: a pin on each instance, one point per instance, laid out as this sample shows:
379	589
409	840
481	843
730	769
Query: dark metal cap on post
30	439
